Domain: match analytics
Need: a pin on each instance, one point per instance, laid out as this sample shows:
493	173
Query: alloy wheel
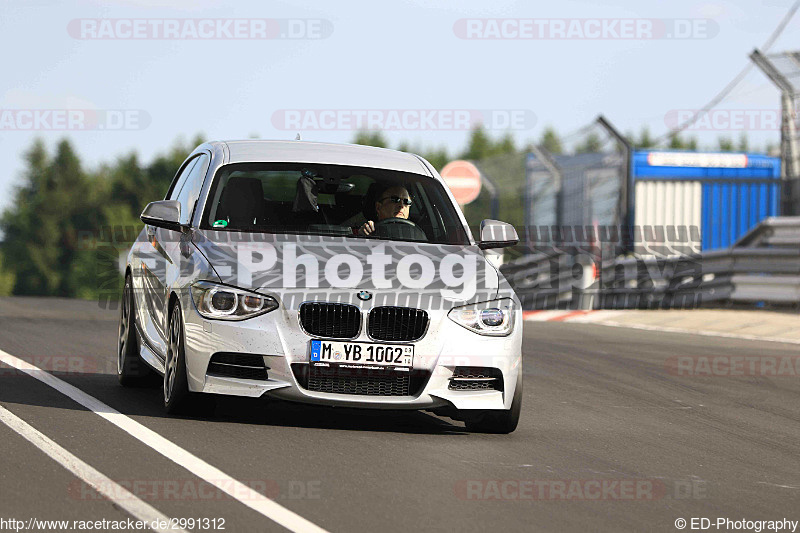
122	346
171	367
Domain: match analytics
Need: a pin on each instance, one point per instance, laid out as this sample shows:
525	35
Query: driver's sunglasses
398	200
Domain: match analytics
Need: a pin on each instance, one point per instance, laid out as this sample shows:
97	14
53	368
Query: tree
479	146
437	157
54	221
725	144
591	145
129	182
645	140
41	229
6	280
25	234
773	149
551	142
676	143
505	145
371	138
744	144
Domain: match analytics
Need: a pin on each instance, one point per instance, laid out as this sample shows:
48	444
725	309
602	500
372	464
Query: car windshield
331	200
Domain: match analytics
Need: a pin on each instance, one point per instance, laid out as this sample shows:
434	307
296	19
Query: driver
394	202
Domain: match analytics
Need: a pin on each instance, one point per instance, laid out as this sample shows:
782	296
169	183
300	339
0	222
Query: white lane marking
208	473
775	485
102	484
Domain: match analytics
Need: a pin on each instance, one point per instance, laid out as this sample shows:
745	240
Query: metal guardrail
777	289
552	280
773	231
762	268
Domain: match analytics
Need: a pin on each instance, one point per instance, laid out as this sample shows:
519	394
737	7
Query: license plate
361	353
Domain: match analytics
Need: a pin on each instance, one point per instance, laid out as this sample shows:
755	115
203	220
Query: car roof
251	151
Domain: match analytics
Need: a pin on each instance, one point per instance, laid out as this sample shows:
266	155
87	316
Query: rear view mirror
496	234
163	214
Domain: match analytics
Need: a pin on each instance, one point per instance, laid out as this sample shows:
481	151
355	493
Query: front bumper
279	339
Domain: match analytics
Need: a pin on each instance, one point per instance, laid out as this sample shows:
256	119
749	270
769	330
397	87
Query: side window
176	187
191	189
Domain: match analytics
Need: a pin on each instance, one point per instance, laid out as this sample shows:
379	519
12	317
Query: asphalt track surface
601	411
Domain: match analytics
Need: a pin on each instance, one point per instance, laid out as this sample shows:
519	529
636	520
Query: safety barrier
762	268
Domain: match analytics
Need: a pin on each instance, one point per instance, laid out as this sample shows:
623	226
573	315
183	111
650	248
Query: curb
602	318
568	316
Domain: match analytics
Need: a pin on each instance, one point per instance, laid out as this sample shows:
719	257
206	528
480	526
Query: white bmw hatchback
321	273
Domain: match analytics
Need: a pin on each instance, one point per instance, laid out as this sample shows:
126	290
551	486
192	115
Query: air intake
238	365
476	378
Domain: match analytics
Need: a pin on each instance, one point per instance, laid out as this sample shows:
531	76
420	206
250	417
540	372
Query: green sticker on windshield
221	224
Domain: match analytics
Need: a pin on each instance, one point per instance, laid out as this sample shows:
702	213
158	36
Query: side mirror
496	234
163	214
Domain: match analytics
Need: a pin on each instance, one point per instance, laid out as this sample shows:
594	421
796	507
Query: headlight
221	302
494	318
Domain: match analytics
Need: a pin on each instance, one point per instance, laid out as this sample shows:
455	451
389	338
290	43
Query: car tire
131	370
498	421
178	399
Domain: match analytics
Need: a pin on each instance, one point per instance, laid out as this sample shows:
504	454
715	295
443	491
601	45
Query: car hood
317	268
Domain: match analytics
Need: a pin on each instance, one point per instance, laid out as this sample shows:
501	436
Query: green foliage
6	280
676	142
744	144
56	234
481	145
645	140
505	145
371	138
41	228
438	157
590	145
773	149
551	142
725	144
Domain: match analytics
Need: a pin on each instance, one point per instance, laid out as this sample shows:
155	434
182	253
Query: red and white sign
464	180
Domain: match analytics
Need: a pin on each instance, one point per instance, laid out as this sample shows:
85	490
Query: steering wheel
399	228
387	221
